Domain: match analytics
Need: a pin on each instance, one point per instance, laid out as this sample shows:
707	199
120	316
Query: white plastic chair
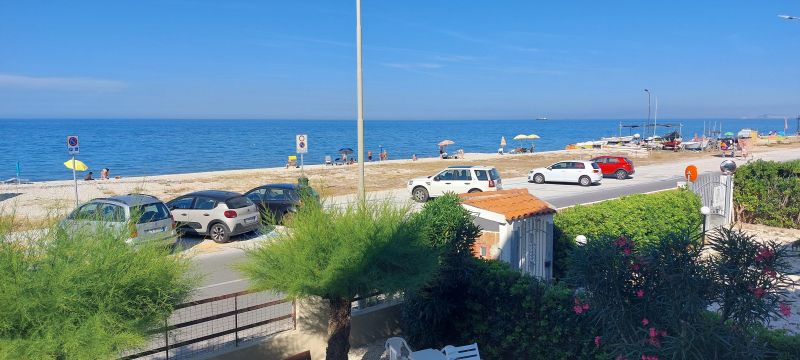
469	352
328	160
398	348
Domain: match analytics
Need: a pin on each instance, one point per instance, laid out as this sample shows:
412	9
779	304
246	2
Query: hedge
642	217
768	192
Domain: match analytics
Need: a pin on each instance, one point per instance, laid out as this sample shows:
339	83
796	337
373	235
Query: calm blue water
151	147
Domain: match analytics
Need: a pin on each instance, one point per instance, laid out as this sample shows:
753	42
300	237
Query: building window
483	251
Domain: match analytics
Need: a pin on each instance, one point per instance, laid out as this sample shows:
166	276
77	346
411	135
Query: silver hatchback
216	213
146	217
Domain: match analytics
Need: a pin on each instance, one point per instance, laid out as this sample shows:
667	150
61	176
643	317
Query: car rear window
495	174
238	202
594	165
482	175
628	161
150	212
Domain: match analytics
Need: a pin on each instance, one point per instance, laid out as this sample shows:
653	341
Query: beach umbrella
533	137
446	142
502	141
78	165
728	133
521	137
345	151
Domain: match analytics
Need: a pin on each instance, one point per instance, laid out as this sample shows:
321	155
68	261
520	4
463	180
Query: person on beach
385	154
104	174
413	157
369	155
88	177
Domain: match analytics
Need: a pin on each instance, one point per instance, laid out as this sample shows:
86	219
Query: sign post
302	148
73	148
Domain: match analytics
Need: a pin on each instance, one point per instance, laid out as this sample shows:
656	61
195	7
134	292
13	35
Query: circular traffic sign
302	144
301	138
72	141
690	173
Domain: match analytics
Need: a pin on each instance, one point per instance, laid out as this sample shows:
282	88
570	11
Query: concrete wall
379	322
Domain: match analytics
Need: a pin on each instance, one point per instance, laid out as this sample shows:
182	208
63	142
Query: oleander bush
644	218
83	294
768	192
652	300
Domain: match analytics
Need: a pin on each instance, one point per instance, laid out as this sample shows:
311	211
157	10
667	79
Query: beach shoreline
41	200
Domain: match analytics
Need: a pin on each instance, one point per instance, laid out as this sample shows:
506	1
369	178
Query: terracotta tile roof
513	203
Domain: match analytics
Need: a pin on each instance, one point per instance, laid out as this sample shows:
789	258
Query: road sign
302	144
73	146
690	173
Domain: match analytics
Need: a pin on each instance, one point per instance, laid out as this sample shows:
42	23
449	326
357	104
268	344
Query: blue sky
422	59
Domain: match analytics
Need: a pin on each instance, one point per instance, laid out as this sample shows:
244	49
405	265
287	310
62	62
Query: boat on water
541	118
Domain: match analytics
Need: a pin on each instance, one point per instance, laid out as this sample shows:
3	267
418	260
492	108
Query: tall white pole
360	86
75	179
655	118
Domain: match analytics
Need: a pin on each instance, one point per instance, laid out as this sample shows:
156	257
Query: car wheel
219	233
538	178
420	194
474	191
621	174
585	181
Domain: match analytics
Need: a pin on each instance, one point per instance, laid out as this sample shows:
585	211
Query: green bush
768	192
783	345
83	294
644	218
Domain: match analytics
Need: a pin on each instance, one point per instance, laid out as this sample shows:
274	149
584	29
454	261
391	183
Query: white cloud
10	81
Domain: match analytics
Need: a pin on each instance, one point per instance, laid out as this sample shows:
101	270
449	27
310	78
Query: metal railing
209	325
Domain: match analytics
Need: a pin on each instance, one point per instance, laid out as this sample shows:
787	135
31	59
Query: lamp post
360	91
648	106
705	210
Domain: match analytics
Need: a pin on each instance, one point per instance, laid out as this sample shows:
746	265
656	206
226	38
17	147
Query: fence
210	325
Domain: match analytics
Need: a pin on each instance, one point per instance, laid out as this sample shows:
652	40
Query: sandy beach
33	204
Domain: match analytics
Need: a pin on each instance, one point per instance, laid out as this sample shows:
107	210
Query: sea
152	147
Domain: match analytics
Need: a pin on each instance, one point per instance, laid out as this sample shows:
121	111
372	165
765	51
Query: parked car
276	201
457	179
575	171
617	166
153	220
218	214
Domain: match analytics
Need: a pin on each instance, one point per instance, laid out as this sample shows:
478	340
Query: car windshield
150	212
238	202
495	174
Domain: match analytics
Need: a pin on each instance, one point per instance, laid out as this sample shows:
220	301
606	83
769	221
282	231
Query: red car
617	166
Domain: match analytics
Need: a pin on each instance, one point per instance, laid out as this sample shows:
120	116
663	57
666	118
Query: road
214	261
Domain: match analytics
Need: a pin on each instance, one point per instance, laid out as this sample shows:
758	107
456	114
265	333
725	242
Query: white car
457	179
574	171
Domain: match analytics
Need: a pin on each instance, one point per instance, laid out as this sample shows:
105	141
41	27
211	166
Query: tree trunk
338	329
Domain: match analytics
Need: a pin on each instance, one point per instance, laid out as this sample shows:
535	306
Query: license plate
249	220
156	230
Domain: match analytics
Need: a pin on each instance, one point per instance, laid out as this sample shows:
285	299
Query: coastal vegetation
645	218
339	254
83	294
768	193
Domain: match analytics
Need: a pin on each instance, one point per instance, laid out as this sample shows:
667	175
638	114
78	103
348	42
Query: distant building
517	228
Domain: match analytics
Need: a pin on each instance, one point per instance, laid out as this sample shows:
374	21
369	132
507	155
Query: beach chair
467	352
338	161
398	348
328	160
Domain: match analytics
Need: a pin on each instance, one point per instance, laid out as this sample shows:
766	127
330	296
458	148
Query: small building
517	228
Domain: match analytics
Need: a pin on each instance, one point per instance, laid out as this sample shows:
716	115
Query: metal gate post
236	320
166	337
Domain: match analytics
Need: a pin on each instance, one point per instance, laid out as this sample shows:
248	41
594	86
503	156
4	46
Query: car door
112	216
201	214
180	208
84	217
575	171
257	197
442	182
464	181
557	172
604	165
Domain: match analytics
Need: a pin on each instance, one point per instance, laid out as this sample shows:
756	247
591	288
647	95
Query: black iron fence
210	325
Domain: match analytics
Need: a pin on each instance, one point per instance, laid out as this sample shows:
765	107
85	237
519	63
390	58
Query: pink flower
622	241
770	272
640	293
585	306
627	251
763	254
597	340
645	322
578	309
653	332
759	292
785	309
648	357
635	267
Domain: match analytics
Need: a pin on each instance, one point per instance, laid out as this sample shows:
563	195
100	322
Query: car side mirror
549	168
436	178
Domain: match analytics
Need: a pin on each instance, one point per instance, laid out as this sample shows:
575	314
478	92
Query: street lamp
705	210
580	239
360	91
648	106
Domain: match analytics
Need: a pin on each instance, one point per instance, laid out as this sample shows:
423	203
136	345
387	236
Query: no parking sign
302	144
73	146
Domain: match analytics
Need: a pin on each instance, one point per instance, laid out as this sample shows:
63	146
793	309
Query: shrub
651	299
644	218
83	294
768	192
782	345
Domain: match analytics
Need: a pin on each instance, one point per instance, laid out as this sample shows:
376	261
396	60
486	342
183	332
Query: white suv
457	179
575	171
